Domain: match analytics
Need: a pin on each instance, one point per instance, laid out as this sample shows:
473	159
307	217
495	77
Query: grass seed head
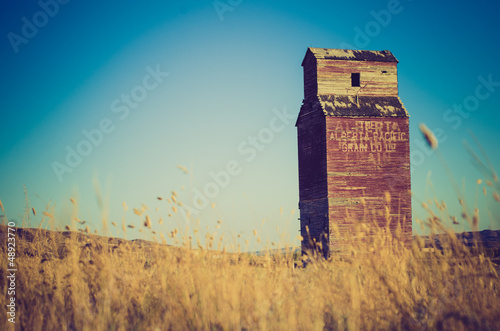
147	223
183	168
387	197
429	136
475	220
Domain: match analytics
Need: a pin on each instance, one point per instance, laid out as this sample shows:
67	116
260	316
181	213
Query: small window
355	79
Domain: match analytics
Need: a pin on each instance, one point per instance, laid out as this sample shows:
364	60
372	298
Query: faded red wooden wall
353	146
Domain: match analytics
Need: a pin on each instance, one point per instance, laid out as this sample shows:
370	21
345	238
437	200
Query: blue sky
158	85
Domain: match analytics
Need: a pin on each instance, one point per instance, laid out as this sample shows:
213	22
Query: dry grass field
73	281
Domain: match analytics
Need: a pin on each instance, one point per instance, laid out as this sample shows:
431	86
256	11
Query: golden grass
71	281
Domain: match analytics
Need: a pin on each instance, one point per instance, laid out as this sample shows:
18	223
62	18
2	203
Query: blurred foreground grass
71	281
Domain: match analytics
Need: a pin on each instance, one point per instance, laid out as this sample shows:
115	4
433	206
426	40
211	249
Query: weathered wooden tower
353	146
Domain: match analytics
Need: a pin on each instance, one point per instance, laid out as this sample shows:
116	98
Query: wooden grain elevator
353	147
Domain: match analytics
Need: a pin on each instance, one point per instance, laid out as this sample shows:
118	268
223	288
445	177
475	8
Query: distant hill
488	239
284	250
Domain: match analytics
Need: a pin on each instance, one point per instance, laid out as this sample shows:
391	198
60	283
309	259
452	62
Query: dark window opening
355	79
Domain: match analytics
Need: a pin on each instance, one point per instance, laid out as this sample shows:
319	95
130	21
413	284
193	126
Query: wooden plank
384	166
352	168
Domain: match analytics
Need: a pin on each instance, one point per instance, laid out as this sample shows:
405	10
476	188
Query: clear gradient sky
139	88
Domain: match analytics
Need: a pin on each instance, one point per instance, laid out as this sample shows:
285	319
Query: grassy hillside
72	281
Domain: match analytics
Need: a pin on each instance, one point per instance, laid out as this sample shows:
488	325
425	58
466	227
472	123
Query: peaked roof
350	54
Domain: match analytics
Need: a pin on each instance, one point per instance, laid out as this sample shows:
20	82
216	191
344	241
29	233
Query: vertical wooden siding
313	203
310	77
